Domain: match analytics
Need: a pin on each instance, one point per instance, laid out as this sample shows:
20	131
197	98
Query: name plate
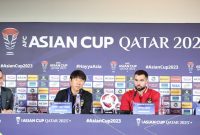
143	108
60	107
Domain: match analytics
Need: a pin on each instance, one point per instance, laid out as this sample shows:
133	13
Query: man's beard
140	89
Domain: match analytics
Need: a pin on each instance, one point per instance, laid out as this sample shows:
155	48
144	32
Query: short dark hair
78	74
141	72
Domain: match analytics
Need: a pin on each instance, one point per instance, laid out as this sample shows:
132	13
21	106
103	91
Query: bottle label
78	104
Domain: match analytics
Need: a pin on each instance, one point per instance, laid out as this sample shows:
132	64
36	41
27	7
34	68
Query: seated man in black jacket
6	97
77	80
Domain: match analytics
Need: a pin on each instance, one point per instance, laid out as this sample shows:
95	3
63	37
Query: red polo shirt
131	96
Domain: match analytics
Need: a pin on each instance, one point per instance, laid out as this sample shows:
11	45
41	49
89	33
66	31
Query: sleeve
156	101
11	101
125	104
86	109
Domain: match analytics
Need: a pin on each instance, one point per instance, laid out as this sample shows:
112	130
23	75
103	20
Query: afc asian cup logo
113	65
190	65
44	65
109	101
18	120
138	121
10	37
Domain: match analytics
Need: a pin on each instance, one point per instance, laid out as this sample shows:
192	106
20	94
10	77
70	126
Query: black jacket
86	99
6	98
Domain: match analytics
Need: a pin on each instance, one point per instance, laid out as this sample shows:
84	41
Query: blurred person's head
77	80
140	80
1	77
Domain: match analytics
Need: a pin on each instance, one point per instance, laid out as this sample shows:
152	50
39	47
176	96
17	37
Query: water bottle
78	104
162	110
16	104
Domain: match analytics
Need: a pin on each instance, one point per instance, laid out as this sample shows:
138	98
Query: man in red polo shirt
141	94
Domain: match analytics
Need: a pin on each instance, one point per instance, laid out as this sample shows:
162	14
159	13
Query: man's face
140	82
76	84
1	78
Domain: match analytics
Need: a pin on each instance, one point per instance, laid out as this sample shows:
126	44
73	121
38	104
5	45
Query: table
98	124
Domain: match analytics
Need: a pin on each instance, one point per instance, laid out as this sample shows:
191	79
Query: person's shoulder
6	89
85	92
129	92
153	91
63	91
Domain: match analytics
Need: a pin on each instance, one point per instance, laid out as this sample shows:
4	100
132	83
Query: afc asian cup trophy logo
138	121
113	65
190	65
10	37
44	65
18	120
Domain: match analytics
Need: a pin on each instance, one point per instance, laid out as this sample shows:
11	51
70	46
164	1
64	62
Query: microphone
135	93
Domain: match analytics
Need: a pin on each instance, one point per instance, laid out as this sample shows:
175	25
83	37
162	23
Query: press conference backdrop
39	57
